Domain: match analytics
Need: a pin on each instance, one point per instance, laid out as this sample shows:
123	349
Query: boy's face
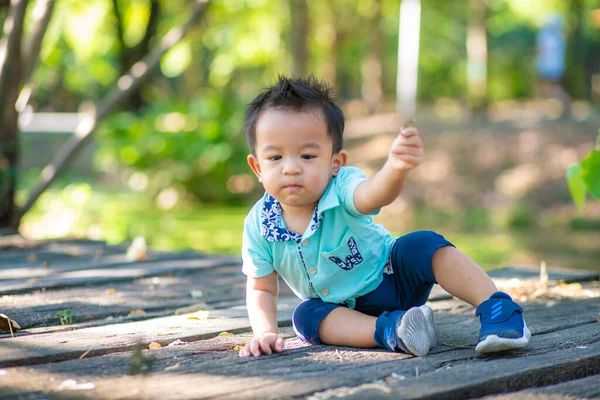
294	159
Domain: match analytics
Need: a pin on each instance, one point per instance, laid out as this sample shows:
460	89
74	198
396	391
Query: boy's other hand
406	151
265	343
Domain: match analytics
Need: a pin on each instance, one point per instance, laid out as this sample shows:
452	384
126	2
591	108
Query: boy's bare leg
460	276
346	327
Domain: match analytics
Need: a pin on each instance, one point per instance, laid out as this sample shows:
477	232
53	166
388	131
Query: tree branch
10	53
41	15
126	85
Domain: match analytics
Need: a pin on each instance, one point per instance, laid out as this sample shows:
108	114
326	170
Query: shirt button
312	271
325	292
305	242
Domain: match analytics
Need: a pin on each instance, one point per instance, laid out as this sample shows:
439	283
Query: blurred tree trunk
10	60
130	55
329	67
477	54
299	36
371	69
576	79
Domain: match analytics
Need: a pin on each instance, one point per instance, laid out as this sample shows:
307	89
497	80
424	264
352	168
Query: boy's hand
265	343
406	151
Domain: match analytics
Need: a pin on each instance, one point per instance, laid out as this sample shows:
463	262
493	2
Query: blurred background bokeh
168	161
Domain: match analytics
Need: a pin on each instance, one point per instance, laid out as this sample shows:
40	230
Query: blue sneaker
502	325
406	331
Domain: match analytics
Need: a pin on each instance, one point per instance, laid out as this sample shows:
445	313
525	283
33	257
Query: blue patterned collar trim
270	222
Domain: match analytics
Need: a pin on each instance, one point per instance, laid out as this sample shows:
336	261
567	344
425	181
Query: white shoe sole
493	343
428	312
413	332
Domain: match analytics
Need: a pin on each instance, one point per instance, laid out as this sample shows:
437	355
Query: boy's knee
308	316
302	321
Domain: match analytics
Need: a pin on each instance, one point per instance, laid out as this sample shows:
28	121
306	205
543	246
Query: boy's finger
413	150
413	161
413	140
408	132
244	352
265	346
279	345
254	348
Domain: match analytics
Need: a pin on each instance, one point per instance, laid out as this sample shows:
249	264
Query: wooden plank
42	267
114	272
33	349
218	287
211	369
585	388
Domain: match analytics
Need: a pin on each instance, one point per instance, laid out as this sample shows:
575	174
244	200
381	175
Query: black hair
299	95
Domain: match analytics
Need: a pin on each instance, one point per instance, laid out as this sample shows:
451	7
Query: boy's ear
254	166
339	160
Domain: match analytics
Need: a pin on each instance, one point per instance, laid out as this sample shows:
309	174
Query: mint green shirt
340	256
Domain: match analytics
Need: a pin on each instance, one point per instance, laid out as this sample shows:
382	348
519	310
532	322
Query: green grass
78	210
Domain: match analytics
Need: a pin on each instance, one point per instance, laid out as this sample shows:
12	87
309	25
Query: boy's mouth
292	187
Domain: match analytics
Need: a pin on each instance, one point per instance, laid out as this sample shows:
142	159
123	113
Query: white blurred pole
408	58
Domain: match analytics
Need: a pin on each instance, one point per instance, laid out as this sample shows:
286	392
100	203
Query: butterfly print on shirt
353	259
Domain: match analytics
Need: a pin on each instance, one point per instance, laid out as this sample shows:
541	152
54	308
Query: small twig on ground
86	352
339	355
458	346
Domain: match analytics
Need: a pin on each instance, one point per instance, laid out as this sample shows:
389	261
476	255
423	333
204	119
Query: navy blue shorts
409	285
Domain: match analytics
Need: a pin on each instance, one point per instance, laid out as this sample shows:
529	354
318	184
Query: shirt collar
271	227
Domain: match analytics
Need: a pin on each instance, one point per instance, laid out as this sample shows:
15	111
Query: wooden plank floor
184	301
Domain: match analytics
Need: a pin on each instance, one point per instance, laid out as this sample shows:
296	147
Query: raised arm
406	153
261	301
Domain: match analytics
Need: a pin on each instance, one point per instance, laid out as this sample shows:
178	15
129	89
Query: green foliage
192	146
65	317
584	177
521	218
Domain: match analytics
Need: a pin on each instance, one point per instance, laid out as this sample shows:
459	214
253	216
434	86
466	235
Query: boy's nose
291	168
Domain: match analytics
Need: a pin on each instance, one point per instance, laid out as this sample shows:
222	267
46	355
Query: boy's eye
275	158
307	156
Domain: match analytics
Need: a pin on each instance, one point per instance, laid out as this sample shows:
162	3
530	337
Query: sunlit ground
116	217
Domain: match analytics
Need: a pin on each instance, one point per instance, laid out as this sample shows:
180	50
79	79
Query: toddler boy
313	226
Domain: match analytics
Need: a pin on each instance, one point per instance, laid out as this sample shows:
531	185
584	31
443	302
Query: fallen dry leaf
225	334
154	346
165	333
238	347
172	367
138	250
111	291
139	311
200	315
191	308
7	324
32	257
